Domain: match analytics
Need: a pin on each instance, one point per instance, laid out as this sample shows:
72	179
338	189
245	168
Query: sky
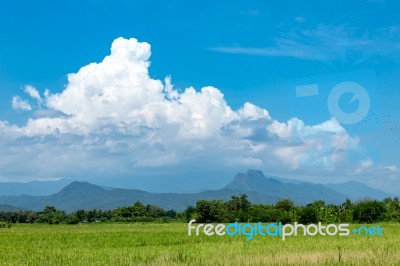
181	95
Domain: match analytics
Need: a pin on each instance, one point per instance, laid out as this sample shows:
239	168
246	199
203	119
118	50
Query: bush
72	219
5	224
285	217
284	204
308	215
368	211
211	211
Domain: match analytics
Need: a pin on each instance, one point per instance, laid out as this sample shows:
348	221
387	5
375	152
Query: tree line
241	210
237	209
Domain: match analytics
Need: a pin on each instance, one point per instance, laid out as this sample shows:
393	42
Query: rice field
169	244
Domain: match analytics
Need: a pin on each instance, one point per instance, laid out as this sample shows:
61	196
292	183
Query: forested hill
259	188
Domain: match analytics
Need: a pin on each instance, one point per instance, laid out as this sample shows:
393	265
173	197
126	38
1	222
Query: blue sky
121	123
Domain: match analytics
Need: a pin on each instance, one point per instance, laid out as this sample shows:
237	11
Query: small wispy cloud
325	42
20	105
33	93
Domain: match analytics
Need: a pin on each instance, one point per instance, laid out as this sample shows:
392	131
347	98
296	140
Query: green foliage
260	212
284	204
237	209
72	219
283	211
345	213
308	215
51	215
5	224
285	217
211	211
392	209
188	214
368	211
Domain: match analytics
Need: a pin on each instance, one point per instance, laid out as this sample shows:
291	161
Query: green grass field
169	244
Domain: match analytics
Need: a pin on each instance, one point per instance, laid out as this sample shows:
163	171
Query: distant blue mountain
300	192
258	187
352	189
33	188
357	191
83	195
9	208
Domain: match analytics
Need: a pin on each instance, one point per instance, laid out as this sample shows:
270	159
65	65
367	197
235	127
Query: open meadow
169	244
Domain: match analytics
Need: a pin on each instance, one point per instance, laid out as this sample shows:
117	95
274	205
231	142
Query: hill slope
300	193
356	191
259	189
83	195
9	208
34	188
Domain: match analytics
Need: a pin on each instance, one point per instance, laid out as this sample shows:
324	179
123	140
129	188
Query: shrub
368	211
5	224
308	215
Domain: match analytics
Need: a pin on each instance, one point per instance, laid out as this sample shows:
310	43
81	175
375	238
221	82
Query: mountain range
33	188
258	187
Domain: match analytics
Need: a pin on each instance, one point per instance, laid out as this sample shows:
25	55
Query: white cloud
8	131
323	145
364	166
119	89
392	168
113	119
33	93
19	104
376	175
325	42
252	112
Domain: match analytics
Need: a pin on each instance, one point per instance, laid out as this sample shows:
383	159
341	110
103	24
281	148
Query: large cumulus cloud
113	119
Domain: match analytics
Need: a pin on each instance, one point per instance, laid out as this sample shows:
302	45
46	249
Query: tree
188	214
81	215
171	214
308	215
210	211
49	209
368	211
345	213
154	211
284	209
392	209
72	219
284	204
51	215
259	213
238	207
347	204
138	211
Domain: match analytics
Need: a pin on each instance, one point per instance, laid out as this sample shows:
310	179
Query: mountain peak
255	173
253	180
80	186
259	188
